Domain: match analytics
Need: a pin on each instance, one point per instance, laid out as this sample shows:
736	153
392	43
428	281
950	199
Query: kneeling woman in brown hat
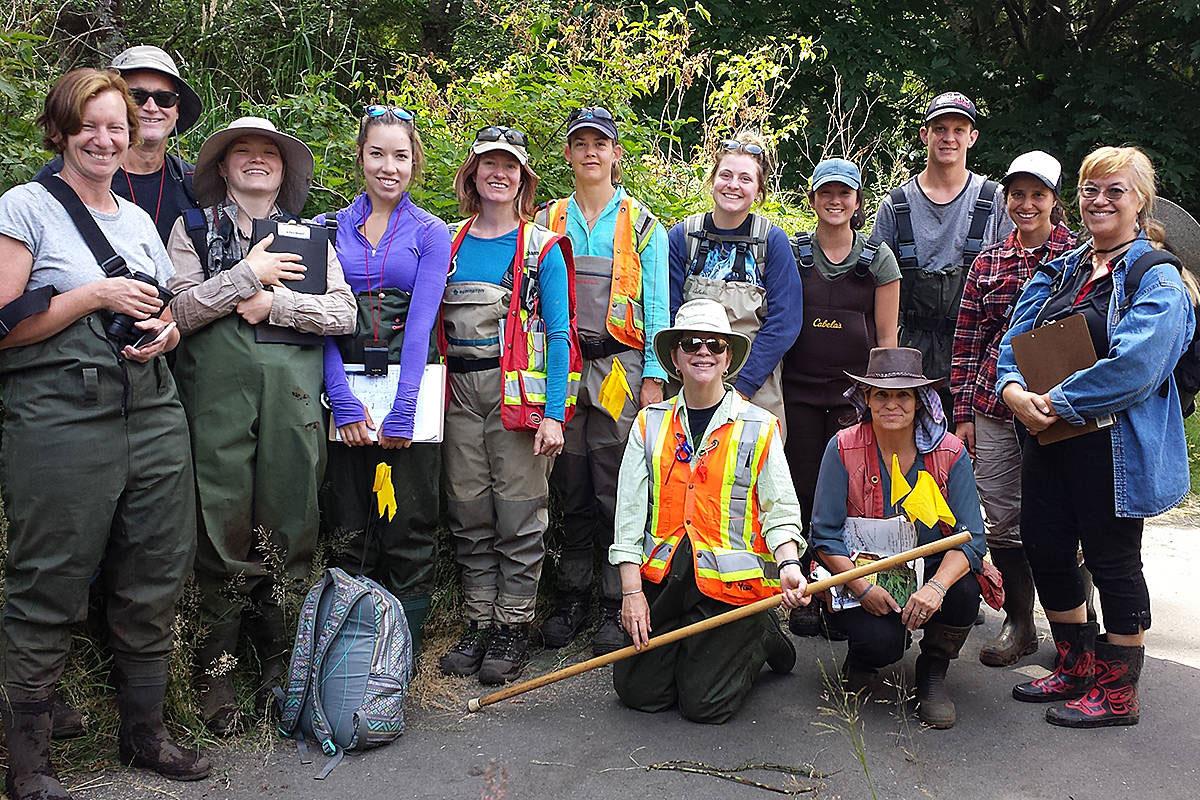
707	520
901	421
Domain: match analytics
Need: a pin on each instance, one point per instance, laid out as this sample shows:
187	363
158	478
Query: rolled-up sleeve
199	302
633	499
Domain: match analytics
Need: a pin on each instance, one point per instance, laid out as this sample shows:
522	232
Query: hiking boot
218	704
939	646
805	620
781	653
1018	634
66	721
27	726
609	635
142	739
570	616
416	609
1074	667
467	654
507	652
1113	698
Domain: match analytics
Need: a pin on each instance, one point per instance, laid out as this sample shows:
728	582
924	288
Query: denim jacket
1150	461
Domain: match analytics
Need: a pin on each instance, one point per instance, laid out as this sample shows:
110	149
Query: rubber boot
142	739
1113	699
857	678
416	609
939	646
466	656
27	726
571	614
1018	634
1074	667
781	653
214	677
507	652
609	633
66	720
273	642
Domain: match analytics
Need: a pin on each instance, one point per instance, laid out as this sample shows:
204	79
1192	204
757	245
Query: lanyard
162	179
376	299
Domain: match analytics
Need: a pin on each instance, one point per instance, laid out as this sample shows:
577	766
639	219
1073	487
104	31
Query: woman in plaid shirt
982	421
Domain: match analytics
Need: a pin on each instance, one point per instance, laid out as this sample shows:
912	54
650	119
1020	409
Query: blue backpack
350	669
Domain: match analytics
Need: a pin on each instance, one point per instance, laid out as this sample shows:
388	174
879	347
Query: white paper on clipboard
378	392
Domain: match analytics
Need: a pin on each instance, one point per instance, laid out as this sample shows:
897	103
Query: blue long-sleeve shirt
414	256
598	241
785	302
488	260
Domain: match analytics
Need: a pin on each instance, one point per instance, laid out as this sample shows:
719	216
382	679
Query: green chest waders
96	473
496	489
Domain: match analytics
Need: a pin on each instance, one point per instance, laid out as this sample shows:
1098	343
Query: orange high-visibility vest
712	500
631	234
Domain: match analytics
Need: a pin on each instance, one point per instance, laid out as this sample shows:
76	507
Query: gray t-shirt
31	215
884	268
940	231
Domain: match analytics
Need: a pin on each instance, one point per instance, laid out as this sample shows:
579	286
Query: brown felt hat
894	368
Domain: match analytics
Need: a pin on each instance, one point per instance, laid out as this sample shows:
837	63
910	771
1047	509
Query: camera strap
114	266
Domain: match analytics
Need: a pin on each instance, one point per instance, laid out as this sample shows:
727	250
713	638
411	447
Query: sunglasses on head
590	112
734	145
163	98
375	112
494	133
691	345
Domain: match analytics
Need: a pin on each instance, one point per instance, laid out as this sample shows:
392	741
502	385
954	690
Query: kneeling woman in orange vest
706	520
509	280
865	473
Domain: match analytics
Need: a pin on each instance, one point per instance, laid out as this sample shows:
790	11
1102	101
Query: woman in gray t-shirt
95	465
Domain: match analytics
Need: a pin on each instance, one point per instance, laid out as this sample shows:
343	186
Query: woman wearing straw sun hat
707	520
253	408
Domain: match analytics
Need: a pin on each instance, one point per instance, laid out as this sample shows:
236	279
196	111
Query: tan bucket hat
147	56
699	317
894	368
297	162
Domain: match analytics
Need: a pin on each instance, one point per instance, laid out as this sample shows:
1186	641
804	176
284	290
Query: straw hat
297	162
894	368
147	56
700	317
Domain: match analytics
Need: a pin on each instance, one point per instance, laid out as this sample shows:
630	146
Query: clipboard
1048	355
311	243
379	392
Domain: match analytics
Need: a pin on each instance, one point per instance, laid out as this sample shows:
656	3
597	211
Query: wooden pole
814	587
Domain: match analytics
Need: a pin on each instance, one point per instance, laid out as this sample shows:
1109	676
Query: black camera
121	328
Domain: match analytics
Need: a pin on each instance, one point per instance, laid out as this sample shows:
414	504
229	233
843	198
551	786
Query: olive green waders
96	475
496	488
259	444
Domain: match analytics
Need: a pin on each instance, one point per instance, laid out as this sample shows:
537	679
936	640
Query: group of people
709	404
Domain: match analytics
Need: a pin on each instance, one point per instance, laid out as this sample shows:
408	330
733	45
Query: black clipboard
311	243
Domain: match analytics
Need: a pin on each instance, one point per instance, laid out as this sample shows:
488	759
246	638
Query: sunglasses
590	112
692	345
734	145
163	98
494	133
1112	194
375	112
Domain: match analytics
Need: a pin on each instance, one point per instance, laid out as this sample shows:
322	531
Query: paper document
872	540
378	393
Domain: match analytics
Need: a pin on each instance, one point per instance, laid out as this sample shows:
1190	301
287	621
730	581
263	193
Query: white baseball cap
1042	166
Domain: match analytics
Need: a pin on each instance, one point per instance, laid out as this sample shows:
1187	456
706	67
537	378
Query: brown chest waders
496	489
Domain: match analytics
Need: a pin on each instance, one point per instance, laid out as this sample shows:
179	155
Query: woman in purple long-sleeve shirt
395	256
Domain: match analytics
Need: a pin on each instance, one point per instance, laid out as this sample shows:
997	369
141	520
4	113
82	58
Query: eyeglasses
1112	194
375	112
734	145
494	133
163	98
692	345
590	112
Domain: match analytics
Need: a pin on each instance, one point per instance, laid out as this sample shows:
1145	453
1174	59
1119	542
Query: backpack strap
331	225
698	243
906	242
300	667
1133	279
803	250
760	227
114	266
980	215
196	225
32	302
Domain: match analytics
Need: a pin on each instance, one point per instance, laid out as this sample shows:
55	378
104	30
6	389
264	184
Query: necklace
162	179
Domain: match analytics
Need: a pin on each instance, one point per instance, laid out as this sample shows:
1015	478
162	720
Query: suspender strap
866	258
980	215
802	245
112	264
906	241
28	304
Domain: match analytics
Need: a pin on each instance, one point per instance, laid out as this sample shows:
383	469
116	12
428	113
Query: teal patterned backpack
350	669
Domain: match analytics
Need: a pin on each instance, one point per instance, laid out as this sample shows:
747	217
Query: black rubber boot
570	616
273	641
781	653
215	660
143	740
1113	699
1074	668
416	609
857	678
467	654
507	652
27	726
939	646
66	720
609	634
1018	634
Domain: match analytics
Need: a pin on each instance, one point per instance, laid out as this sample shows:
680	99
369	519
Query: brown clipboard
1048	355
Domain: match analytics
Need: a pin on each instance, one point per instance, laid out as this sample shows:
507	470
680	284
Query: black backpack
1187	369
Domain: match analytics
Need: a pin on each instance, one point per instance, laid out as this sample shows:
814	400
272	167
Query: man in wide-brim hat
707	520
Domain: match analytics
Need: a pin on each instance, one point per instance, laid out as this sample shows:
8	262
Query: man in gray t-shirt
942	202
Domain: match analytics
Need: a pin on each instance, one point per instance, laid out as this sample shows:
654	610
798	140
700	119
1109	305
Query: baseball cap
836	169
595	117
502	137
1042	166
952	103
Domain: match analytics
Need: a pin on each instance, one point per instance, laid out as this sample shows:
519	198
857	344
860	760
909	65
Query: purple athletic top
414	254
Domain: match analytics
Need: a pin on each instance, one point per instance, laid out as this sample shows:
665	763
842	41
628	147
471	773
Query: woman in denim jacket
1096	489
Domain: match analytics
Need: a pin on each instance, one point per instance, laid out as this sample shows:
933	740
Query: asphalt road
574	740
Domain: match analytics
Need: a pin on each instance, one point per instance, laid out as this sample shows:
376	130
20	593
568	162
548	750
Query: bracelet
936	584
866	591
631	594
787	562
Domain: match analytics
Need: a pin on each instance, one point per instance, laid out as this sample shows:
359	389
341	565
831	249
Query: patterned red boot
1113	700
1074	669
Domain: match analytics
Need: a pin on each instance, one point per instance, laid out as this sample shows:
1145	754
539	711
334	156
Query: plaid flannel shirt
990	292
